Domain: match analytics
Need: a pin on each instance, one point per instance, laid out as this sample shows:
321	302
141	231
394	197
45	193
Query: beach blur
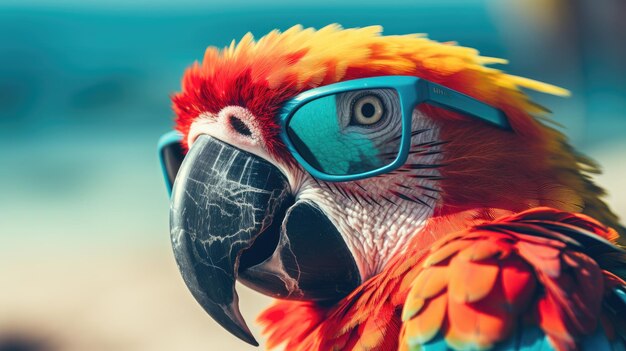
85	257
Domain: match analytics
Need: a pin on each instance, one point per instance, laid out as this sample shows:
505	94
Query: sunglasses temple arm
440	96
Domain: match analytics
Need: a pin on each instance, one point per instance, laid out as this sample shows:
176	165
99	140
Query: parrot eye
367	110
349	132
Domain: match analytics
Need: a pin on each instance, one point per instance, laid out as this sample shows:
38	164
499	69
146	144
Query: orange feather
538	280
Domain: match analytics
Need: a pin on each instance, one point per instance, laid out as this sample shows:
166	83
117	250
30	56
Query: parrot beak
232	217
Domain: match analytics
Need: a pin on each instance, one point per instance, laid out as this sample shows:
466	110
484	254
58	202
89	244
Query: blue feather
619	345
528	339
531	339
436	344
596	342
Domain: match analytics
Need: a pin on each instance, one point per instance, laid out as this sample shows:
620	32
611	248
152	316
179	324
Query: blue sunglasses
354	129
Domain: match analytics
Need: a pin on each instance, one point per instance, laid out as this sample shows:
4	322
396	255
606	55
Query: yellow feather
306	58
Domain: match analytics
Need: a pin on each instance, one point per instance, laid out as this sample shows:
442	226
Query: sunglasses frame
412	91
169	146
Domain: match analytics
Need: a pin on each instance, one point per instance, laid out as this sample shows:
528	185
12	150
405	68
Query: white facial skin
376	216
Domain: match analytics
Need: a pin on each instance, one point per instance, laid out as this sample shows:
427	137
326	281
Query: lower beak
232	212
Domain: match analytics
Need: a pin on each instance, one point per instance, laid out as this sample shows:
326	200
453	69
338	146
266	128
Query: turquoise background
84	96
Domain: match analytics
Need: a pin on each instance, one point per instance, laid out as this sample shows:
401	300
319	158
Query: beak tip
244	334
230	318
237	325
252	341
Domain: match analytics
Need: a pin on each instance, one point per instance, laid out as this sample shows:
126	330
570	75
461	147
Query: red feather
473	287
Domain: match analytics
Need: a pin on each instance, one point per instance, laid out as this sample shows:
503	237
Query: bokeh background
85	262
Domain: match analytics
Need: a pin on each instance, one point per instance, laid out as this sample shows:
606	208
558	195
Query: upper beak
217	188
232	216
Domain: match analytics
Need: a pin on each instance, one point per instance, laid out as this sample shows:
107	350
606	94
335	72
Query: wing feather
536	280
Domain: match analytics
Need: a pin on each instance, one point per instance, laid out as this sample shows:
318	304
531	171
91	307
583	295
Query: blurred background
85	260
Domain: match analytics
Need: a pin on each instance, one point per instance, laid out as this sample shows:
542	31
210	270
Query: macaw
392	193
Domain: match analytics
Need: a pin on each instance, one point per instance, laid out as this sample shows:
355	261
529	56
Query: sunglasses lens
348	133
171	154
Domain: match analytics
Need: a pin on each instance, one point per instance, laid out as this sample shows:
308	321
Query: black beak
232	212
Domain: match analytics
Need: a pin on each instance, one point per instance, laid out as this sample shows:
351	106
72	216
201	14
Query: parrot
390	192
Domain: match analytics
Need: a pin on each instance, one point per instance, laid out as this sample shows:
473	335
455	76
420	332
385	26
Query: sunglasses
354	129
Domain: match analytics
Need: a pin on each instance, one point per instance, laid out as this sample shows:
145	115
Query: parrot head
276	205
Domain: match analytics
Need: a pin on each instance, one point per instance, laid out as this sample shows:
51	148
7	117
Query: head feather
261	75
299	59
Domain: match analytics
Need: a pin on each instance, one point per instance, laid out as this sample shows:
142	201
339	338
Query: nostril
239	126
